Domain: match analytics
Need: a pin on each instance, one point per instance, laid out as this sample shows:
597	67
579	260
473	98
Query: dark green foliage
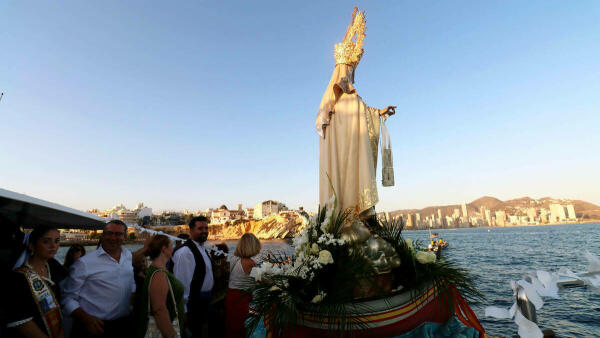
418	277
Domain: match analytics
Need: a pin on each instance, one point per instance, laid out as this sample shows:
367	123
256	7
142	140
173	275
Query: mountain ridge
583	209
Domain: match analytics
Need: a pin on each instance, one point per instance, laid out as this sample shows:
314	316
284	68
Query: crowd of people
186	291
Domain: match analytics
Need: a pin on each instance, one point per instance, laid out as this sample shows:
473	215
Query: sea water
497	256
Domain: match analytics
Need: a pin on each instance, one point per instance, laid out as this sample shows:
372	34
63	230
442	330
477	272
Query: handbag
387	162
152	330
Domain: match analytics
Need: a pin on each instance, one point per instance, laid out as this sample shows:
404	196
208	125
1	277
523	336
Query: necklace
42	271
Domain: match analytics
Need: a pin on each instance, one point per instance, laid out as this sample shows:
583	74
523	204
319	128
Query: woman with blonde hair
237	300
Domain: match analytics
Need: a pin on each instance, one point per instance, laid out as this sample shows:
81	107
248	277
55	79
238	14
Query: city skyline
461	206
484	212
184	107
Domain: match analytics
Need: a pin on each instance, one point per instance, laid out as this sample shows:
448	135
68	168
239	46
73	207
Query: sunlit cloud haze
191	105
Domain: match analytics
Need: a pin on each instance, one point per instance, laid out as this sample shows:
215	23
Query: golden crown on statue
350	50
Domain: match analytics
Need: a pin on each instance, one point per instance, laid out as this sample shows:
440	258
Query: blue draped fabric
453	328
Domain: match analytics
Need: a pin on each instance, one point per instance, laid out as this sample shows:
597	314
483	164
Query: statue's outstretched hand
389	111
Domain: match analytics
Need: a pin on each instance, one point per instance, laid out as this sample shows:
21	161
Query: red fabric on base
465	314
432	312
236	312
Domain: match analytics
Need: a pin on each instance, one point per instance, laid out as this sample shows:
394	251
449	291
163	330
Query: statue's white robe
348	154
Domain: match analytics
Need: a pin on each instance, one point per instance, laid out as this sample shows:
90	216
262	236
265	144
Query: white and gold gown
348	143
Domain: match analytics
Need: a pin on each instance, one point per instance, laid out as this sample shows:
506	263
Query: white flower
325	224
425	257
325	257
409	242
328	239
314	249
275	288
318	298
328	213
299	241
331	201
257	273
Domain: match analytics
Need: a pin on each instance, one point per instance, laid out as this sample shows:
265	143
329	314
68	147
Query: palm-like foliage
416	277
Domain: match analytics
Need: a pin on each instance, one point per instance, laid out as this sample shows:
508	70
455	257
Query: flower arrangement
331	265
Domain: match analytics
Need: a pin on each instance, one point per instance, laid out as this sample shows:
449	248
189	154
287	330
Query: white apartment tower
500	218
488	217
557	213
532	214
571	212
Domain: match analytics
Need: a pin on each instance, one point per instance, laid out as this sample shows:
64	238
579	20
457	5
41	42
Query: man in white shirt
193	267
97	293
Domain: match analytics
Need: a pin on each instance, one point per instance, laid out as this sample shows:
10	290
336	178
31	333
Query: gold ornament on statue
350	50
357	232
381	264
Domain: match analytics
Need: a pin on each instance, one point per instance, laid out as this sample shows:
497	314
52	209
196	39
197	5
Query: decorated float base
391	316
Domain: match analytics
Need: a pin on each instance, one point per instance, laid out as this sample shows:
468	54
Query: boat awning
27	212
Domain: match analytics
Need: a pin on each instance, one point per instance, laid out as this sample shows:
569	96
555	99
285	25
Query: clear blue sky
195	104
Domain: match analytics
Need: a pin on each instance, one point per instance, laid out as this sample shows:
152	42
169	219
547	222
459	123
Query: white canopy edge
32	200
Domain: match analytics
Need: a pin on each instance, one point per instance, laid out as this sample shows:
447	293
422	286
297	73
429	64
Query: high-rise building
532	214
410	220
456	214
407	220
488	217
500	218
571	212
418	219
557	213
465	213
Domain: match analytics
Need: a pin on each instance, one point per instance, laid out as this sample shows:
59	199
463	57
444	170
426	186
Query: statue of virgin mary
349	131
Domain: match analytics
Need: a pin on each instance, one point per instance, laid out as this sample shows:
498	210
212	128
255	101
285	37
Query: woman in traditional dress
160	306
34	293
237	302
349	131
